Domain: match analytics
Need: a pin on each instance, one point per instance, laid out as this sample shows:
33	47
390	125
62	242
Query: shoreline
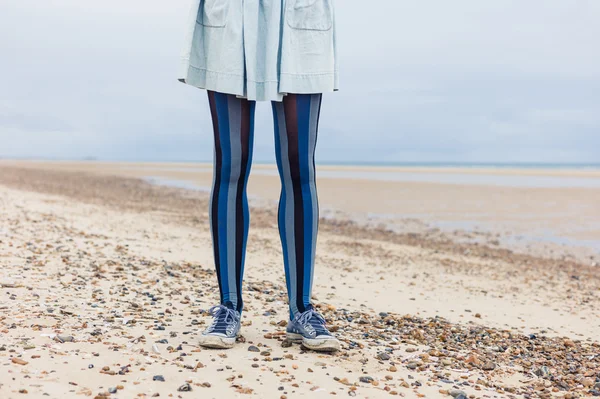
556	221
569	170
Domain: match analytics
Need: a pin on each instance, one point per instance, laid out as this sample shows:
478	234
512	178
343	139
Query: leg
233	125
296	122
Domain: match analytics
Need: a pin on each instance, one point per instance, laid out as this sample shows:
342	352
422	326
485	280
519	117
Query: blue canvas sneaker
309	328
224	329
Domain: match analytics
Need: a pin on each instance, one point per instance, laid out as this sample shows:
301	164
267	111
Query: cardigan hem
272	90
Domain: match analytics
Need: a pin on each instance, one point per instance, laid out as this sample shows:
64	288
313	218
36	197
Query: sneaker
224	329
309	328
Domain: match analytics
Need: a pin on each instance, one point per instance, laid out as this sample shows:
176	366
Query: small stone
587	382
455	393
19	361
488	366
64	338
158	378
383	356
412	365
112	390
253	348
366	379
185	388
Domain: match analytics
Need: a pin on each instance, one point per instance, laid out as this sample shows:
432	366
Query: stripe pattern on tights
296	125
233	125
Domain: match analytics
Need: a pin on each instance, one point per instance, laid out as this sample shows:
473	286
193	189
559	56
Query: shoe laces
312	321
223	315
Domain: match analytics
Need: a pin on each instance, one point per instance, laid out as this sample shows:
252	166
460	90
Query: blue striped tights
296	121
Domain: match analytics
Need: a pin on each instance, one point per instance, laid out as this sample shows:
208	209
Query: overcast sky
421	81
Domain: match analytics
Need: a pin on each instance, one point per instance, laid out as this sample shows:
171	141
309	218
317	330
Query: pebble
64	338
455	393
587	382
185	388
413	365
253	348
158	378
488	366
383	356
366	379
543	372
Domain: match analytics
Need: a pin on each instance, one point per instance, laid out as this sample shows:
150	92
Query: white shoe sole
320	345
216	342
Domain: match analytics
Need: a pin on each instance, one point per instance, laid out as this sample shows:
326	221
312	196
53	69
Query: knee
232	170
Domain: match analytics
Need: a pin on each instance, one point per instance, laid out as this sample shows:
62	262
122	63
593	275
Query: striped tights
296	121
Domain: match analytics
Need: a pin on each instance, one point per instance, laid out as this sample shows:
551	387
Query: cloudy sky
422	81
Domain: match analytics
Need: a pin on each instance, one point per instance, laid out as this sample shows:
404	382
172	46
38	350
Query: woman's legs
296	121
233	125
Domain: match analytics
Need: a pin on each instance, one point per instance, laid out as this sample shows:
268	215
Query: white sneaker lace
230	318
304	319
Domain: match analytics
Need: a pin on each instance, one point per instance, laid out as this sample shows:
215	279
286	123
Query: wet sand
106	282
552	219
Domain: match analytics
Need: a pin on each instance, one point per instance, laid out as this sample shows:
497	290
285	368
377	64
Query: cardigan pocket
310	14
213	13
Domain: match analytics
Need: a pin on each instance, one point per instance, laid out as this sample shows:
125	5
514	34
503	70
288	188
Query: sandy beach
435	290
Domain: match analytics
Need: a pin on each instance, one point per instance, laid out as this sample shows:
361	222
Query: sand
99	269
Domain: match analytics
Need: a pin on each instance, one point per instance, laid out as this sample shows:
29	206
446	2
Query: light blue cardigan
261	49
